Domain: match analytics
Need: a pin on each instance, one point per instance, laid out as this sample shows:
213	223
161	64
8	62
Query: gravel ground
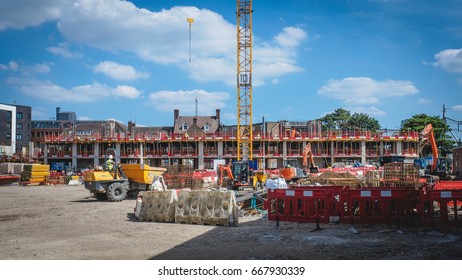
66	222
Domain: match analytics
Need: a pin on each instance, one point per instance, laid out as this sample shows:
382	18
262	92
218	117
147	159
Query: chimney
195	120
131	125
217	115
176	114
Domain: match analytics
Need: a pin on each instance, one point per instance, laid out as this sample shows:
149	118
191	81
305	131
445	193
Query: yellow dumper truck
123	180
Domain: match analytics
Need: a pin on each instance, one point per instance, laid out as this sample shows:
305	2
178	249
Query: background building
15	130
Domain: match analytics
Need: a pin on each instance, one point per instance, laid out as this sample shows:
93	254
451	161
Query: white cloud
118	71
457	107
450	60
162	37
208	102
27	69
63	50
12	66
41	68
85	93
290	37
366	91
126	91
19	14
159	36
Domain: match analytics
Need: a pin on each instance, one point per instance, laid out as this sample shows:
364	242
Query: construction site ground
66	222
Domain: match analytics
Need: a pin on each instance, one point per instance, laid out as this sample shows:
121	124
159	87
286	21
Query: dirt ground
66	222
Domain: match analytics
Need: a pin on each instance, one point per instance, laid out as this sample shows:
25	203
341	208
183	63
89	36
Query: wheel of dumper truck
116	192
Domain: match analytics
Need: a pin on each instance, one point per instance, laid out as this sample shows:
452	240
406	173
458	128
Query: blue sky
129	60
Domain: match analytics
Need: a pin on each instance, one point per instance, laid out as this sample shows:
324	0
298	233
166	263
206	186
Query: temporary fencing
440	207
379	205
303	204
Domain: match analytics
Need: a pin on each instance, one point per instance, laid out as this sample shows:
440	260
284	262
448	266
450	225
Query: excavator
239	173
440	167
307	152
292	171
224	170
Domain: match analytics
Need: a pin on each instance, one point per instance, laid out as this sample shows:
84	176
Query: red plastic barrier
378	206
300	205
437	208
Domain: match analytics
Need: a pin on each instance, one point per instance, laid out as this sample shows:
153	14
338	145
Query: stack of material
55	180
399	174
374	178
35	173
333	178
181	177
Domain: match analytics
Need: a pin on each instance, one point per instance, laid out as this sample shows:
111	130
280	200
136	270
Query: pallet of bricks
34	174
399	174
55	179
180	176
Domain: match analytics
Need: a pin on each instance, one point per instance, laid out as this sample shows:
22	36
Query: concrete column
220	148
45	153
332	150
95	154
74	154
141	147
381	149
363	152
200	154
117	151
284	149
399	148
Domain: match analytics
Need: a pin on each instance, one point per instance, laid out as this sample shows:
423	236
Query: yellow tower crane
244	80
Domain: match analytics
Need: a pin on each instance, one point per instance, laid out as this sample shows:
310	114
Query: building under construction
200	141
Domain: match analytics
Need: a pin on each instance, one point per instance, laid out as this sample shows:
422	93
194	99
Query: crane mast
244	80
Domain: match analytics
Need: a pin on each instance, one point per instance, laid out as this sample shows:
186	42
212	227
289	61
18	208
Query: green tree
418	122
363	121
342	119
336	120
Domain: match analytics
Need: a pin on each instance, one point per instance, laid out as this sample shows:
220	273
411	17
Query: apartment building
15	130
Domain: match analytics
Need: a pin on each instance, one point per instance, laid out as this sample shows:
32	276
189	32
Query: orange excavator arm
223	169
428	132
306	152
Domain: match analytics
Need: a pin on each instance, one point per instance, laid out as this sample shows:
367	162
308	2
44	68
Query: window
184	126
19	116
19	126
8	114
8	135
8	125
206	127
18	136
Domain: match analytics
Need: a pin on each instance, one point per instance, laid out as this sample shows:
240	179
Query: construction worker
110	163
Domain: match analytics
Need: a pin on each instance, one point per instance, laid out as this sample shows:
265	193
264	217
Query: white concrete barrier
158	206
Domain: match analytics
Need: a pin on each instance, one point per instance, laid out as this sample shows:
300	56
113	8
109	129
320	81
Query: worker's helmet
110	156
